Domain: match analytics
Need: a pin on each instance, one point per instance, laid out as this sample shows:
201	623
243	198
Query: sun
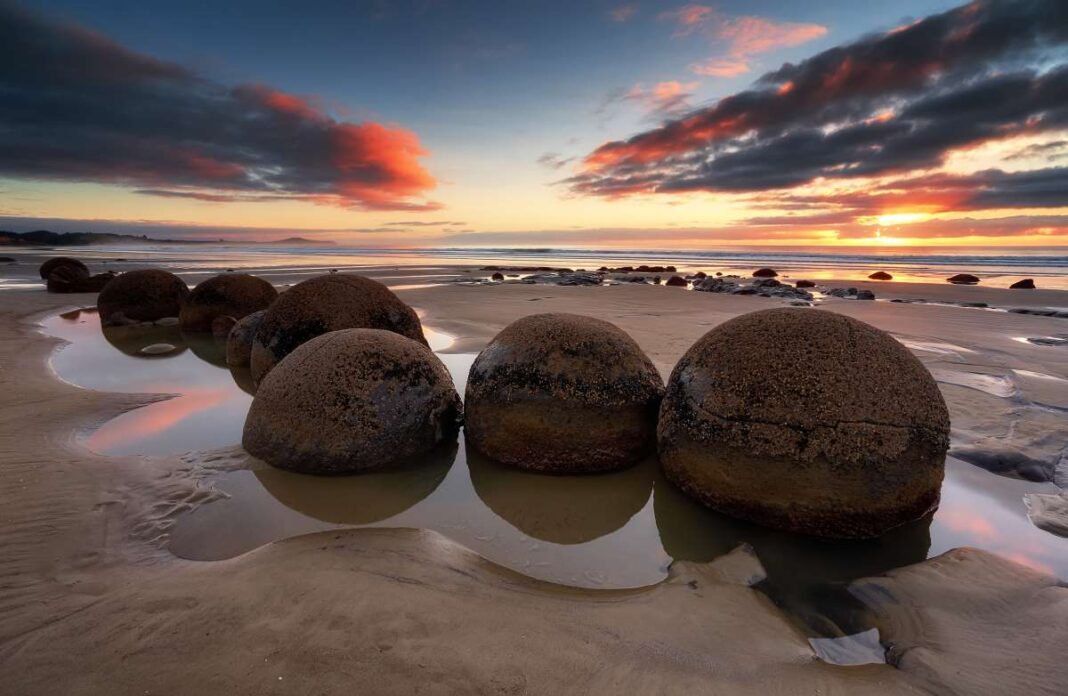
893	219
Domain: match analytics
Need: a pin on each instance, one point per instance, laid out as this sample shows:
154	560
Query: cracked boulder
846	438
351	401
563	393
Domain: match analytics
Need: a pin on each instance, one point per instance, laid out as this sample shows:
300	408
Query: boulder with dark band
138	296
323	304
563	393
350	401
229	295
848	444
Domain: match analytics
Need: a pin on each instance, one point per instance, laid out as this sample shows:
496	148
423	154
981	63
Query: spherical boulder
230	294
352	400
55	262
239	342
69	279
881	275
138	296
328	303
562	393
845	439
765	273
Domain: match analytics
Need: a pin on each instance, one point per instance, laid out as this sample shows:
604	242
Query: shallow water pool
615	530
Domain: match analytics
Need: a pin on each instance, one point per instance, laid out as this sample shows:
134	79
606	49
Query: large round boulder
138	296
328	303
228	295
56	262
844	438
563	393
352	400
239	342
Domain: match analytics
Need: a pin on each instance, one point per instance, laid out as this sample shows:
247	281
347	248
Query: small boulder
231	294
239	341
1025	284
850	446
676	282
804	284
350	401
562	393
53	263
764	273
700	274
865	295
323	304
963	279
497	276
137	296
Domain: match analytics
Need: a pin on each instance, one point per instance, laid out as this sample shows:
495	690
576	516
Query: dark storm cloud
888	103
76	106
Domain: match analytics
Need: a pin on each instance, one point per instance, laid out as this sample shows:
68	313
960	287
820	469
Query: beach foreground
95	603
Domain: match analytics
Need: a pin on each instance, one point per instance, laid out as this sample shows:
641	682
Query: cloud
663	97
721	67
426	223
623	13
77	106
737	38
888	104
554	160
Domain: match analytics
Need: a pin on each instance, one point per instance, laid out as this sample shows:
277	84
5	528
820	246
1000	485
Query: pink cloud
721	67
740	37
667	96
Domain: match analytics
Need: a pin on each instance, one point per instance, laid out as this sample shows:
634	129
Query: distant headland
55	239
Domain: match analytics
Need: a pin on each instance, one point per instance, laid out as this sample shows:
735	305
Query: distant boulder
1025	284
145	295
72	279
52	264
804	284
764	273
239	342
233	295
963	279
881	275
497	276
676	282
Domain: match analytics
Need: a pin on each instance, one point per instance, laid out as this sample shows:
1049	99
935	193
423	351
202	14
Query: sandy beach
94	602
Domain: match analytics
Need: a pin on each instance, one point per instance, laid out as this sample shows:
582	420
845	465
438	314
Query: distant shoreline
46	238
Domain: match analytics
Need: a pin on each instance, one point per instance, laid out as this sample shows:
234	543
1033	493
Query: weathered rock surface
239	341
850	446
144	295
323	304
352	400
229	294
561	392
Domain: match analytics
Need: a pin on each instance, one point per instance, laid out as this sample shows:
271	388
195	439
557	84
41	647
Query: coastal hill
54	239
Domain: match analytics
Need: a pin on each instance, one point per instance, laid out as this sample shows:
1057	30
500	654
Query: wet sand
91	600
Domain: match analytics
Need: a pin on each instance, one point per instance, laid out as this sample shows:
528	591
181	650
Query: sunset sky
625	124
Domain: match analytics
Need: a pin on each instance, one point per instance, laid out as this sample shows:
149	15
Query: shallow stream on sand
616	530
